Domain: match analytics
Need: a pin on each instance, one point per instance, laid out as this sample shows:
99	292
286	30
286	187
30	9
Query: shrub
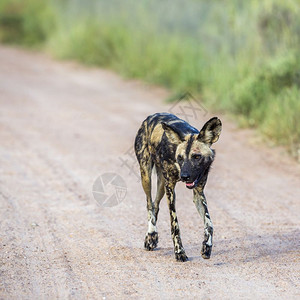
27	22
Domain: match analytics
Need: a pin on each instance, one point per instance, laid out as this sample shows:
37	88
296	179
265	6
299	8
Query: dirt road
62	126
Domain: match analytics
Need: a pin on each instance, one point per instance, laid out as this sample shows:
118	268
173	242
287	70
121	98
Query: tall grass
238	56
28	22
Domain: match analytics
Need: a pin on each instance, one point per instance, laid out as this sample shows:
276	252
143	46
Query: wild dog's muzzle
191	185
185	177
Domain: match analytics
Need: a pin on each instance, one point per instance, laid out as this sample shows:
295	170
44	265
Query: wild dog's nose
185	176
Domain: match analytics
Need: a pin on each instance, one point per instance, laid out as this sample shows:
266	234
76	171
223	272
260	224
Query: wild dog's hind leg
151	238
201	205
178	248
160	192
146	165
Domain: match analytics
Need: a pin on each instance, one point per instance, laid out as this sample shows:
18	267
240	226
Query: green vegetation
238	56
26	22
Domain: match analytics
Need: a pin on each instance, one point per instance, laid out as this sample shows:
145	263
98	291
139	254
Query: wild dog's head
194	155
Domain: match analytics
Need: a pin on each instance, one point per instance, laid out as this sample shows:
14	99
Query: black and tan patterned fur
179	152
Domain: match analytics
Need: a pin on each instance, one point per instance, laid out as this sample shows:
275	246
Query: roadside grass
240	57
28	22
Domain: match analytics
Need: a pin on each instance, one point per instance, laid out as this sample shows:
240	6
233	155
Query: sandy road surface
61	126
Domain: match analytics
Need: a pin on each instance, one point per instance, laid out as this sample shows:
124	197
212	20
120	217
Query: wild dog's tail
141	142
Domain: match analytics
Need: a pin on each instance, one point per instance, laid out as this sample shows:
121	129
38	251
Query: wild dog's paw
206	251
151	241
181	256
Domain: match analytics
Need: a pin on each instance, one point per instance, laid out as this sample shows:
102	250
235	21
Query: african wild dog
179	152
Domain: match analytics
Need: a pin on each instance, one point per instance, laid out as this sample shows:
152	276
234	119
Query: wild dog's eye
196	156
179	158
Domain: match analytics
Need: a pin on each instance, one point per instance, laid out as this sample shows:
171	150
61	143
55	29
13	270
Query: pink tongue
190	184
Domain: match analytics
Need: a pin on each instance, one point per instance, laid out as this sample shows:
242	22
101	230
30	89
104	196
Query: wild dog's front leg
178	248
201	205
151	239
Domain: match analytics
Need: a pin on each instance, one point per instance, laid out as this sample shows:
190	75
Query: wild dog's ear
211	131
172	134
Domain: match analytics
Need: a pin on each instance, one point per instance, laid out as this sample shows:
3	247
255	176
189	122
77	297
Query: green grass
28	22
240	57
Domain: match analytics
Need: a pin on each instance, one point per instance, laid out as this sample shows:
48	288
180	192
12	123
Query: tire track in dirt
38	235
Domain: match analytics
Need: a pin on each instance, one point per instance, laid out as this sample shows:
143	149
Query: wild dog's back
150	134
